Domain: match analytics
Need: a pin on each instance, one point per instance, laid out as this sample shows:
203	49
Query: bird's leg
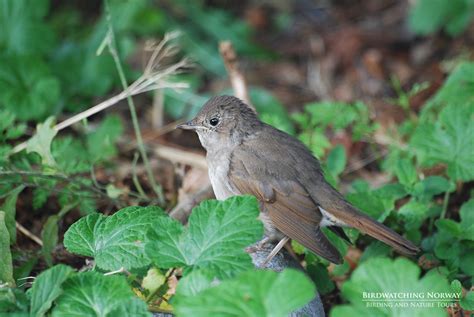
258	246
275	250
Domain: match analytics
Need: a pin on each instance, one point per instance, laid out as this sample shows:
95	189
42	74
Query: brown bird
247	156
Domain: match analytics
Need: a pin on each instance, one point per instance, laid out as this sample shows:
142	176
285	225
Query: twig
237	79
121	270
157	116
185	157
27	233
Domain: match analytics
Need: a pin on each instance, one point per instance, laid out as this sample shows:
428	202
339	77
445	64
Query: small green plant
452	16
319	117
145	243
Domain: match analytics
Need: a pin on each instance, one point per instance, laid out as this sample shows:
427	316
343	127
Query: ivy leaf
41	142
217	235
93	294
115	241
383	275
255	293
6	266
449	141
47	287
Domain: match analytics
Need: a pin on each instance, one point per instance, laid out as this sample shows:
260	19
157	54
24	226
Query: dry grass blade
155	76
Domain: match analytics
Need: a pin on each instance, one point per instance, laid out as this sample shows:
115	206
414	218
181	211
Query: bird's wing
289	206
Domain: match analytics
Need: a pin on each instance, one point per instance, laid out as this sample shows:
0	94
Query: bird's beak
190	125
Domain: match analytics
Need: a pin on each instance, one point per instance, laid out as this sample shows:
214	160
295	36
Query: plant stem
141	147
445	205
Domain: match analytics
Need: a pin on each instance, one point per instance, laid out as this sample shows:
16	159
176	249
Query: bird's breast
219	164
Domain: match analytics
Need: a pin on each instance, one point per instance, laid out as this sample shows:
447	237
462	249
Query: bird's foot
275	251
259	246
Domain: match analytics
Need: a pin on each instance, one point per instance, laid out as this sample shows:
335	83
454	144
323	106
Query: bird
246	156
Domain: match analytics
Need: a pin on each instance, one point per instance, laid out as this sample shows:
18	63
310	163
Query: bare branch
237	79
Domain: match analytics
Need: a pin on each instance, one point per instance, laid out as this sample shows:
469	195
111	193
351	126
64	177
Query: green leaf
194	283
449	141
71	155
101	142
153	280
428	16
456	286
375	249
14	302
115	241
376	206
467	303
49	236
9	207
383	275
133	307
41	142
414	213
40	195
255	293
27	87
315	140
467	220
93	294
23	31
458	89
406	172
449	226
319	274
431	186
47	287
215	239
336	160
6	266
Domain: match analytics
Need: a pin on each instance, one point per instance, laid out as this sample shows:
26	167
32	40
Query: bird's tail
334	203
380	232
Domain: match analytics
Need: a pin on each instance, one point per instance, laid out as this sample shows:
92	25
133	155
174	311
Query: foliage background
381	91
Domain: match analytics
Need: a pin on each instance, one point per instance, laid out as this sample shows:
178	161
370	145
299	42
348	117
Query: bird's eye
214	121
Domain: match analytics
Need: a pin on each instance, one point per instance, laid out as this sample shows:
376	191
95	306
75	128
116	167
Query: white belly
218	171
